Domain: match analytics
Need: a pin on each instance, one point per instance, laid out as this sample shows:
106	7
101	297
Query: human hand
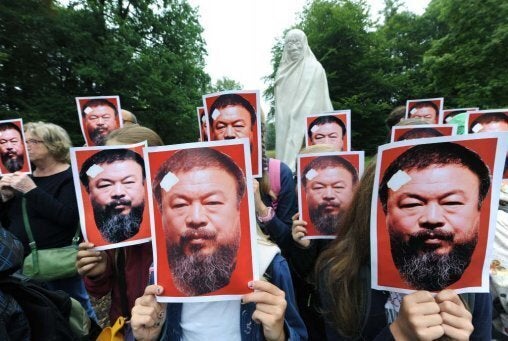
457	320
270	308
148	315
90	262
259	204
298	231
6	191
20	182
419	318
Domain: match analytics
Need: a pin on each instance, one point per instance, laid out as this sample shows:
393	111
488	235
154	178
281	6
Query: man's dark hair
232	99
10	126
437	155
324	120
330	161
424	104
489	117
418	133
98	102
186	160
108	156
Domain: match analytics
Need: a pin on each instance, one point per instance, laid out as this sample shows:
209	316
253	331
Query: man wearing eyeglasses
100	117
12	149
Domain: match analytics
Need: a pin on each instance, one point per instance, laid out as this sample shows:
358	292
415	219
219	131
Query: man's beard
97	136
197	274
116	227
424	269
325	223
12	164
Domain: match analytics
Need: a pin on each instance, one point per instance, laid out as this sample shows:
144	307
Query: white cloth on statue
301	89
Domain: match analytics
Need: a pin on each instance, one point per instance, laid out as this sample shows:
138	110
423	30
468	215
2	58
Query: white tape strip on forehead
477	127
413	111
215	114
88	110
168	181
398	180
203	119
314	128
94	171
311	174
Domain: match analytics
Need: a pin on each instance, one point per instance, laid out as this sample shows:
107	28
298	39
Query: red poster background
388	274
243	272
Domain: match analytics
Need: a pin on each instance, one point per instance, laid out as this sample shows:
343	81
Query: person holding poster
355	311
201	194
121	272
50	201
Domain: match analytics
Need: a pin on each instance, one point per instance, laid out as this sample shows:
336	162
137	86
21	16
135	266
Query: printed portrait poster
410	132
448	114
482	121
426	109
233	115
326	183
110	185
202	124
98	116
328	127
13	151
203	222
433	198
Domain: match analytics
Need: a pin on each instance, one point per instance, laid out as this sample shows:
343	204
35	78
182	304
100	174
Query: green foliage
149	52
456	49
225	83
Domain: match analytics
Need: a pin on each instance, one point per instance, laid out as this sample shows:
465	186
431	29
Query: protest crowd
194	242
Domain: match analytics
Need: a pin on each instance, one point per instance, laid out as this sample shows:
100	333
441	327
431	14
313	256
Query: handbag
49	264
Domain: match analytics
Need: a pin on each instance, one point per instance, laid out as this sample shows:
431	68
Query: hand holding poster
326	183
203	222
111	193
431	225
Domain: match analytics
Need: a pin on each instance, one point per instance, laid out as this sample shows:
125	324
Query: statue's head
294	42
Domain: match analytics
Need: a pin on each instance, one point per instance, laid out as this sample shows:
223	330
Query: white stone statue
301	89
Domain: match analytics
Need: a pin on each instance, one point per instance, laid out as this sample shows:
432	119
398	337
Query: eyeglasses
32	141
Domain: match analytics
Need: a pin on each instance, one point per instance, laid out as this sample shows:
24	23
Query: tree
467	61
225	83
149	52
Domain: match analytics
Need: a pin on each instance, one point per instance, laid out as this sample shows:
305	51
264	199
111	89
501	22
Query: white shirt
211	321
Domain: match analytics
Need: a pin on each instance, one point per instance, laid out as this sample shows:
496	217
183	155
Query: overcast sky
239	35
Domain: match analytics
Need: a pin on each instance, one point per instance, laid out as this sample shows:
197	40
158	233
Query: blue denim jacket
250	330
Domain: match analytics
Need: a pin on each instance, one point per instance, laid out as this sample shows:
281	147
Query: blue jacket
294	326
